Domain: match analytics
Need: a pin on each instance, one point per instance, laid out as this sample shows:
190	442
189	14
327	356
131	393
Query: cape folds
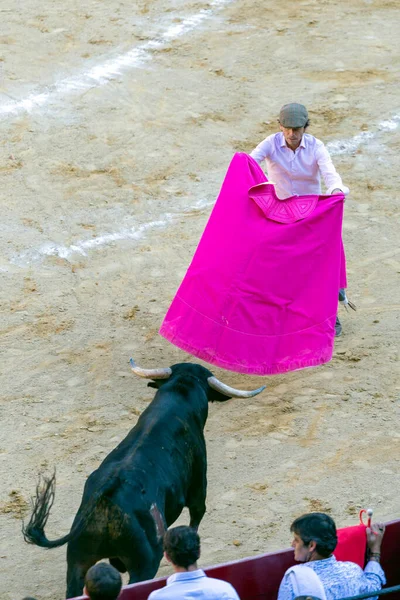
261	293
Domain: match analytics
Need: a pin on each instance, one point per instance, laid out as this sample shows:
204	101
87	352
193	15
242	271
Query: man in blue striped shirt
314	540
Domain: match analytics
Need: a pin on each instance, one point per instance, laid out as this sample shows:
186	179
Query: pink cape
261	293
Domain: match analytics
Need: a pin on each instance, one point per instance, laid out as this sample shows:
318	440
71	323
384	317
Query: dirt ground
118	121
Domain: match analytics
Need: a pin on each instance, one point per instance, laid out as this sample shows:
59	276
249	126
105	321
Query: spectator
102	582
314	540
182	550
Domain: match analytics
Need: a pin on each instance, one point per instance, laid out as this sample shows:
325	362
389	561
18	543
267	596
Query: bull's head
157	375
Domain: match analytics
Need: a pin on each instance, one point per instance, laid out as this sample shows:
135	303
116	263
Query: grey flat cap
293	115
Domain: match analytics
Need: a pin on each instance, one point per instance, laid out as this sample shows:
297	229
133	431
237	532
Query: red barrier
259	576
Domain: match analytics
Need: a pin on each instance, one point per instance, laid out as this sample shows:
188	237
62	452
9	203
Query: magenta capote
261	293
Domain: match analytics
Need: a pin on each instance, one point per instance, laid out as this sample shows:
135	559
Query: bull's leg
196	514
79	560
196	499
141	548
146	572
144	564
76	578
118	564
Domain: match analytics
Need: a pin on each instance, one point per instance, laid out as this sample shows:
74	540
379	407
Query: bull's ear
156	383
218	397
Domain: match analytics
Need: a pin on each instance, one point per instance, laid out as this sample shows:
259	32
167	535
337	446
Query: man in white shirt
182	550
296	161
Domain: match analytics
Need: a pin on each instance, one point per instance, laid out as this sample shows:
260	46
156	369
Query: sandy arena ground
118	121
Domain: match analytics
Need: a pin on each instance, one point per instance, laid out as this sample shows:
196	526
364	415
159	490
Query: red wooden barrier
259	576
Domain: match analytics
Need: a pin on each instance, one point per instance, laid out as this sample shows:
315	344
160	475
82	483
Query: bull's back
153	463
164	436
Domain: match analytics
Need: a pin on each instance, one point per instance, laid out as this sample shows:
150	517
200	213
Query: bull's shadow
142	486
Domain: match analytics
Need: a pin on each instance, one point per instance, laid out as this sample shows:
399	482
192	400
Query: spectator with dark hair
314	540
182	550
102	582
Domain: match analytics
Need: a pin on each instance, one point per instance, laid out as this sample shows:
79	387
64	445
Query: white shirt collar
186	576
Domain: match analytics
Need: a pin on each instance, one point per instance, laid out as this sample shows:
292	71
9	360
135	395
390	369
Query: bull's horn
217	385
150	373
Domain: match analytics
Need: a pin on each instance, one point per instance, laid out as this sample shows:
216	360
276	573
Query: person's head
28	598
182	546
314	537
102	582
293	121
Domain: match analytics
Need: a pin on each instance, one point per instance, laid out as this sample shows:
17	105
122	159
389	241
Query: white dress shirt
194	585
298	173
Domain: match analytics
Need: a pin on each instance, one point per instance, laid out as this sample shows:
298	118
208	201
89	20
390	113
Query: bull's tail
45	491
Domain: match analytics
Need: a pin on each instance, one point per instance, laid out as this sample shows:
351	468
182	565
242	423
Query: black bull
161	462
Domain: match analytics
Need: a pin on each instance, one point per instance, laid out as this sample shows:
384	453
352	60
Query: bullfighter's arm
262	151
331	177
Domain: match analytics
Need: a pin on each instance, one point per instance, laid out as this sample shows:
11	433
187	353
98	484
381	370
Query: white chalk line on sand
81	248
352	144
103	73
108	70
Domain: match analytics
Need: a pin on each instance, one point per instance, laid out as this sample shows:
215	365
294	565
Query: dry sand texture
118	121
